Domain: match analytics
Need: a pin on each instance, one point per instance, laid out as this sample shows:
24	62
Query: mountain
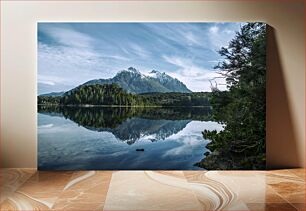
170	83
133	81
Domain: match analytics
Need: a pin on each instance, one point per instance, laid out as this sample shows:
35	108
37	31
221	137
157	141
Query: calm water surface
77	138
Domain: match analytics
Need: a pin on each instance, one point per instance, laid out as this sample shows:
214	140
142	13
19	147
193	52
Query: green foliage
112	94
106	94
241	145
177	99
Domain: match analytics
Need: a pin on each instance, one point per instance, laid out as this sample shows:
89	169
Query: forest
242	109
113	95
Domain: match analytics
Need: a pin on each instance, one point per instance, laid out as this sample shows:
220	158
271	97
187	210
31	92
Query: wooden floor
27	189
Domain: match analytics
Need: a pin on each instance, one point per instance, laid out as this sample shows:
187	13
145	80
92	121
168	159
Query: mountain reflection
129	124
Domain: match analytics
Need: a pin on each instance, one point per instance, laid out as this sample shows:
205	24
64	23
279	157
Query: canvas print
148	96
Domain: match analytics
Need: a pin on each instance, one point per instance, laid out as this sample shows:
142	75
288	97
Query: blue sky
72	53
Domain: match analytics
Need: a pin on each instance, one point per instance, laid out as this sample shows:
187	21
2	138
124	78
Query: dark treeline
241	145
48	100
97	94
98	118
112	94
177	99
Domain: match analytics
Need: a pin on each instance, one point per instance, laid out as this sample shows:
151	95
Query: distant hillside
53	94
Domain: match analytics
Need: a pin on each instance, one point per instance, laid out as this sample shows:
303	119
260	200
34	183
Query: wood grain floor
28	189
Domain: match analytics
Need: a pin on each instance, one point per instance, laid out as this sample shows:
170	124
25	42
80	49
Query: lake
107	138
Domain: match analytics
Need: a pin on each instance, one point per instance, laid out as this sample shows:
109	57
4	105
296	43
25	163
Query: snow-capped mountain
162	77
134	81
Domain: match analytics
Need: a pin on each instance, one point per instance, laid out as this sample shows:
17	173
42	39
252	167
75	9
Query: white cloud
179	33
178	61
75	58
68	37
214	29
138	51
192	38
193	76
51	83
64	63
117	57
66	54
67	66
220	36
50	79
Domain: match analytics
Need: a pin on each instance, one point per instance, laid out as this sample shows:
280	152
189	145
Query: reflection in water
108	137
133	129
111	117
